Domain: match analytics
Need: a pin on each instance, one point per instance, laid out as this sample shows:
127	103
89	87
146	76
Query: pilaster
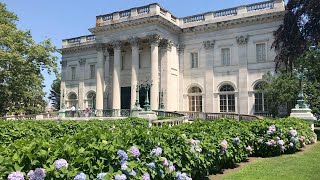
242	42
209	76
166	47
82	63
116	101
134	41
180	51
100	79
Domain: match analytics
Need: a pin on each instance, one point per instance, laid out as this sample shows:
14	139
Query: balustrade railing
126	13
107	17
226	12
261	5
143	10
195	18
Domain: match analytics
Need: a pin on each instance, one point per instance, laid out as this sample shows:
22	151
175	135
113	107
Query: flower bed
129	149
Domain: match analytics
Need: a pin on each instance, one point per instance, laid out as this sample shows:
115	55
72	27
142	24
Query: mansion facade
210	62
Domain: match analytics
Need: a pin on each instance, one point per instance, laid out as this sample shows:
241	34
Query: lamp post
137	103
300	74
147	85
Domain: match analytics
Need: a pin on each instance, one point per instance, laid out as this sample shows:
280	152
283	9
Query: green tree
300	27
54	95
21	63
280	89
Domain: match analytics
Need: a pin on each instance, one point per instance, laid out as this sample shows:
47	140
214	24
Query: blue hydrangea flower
37	174
120	177
134	151
157	151
123	156
61	163
198	148
152	165
236	140
101	175
146	176
16	176
133	173
80	176
124	166
182	176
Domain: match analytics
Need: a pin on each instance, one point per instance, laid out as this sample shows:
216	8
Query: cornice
79	47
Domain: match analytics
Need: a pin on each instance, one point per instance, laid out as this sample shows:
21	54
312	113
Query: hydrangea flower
302	138
101	175
281	142
198	148
16	176
236	140
133	173
249	149
37	174
120	177
80	176
282	148
260	140
165	162
171	167
123	155
271	129
272	142
294	139
124	166
291	144
157	151
293	132
134	151
224	145
152	165
277	138
61	163
146	176
182	176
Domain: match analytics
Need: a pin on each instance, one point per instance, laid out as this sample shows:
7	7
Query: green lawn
303	165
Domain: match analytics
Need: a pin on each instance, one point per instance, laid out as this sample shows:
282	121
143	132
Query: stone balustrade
82	40
261	5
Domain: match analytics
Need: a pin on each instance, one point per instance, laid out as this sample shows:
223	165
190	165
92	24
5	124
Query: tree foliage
21	63
54	95
301	26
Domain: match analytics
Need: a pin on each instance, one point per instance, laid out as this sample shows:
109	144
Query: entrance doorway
125	97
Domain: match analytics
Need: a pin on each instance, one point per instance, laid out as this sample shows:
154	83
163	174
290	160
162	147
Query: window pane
92	71
223	103
231	103
261	52
225	56
73	73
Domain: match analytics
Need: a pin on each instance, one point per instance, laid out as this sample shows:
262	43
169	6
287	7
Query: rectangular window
261	52
92	71
225	56
122	62
73	73
194	60
223	103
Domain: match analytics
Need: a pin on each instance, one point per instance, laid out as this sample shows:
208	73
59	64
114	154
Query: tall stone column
209	103
134	69
243	74
154	40
166	46
100	79
82	63
180	50
63	96
116	99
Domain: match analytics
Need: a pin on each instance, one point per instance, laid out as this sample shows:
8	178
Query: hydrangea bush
128	149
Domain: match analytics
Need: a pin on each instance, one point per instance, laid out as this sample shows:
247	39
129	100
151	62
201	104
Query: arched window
260	105
91	99
227	98
72	98
195	99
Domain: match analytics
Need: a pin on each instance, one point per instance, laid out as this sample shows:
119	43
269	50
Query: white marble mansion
210	62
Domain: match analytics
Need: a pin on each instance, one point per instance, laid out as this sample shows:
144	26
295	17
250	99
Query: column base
305	114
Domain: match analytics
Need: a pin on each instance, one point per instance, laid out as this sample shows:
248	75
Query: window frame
194	65
227	99
73	72
262	60
92	71
223	63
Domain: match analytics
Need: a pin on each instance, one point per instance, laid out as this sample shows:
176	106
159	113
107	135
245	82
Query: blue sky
61	19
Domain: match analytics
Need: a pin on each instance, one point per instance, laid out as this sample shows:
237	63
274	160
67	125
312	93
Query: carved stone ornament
63	64
154	39
82	62
110	51
209	44
134	41
166	44
116	44
180	48
241	40
100	46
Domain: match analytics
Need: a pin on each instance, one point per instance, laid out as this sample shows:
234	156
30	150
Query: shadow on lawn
317	131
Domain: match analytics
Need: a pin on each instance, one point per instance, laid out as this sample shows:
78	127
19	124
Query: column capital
209	44
100	46
82	62
154	39
166	44
180	48
63	64
242	40
110	52
134	41
116	44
